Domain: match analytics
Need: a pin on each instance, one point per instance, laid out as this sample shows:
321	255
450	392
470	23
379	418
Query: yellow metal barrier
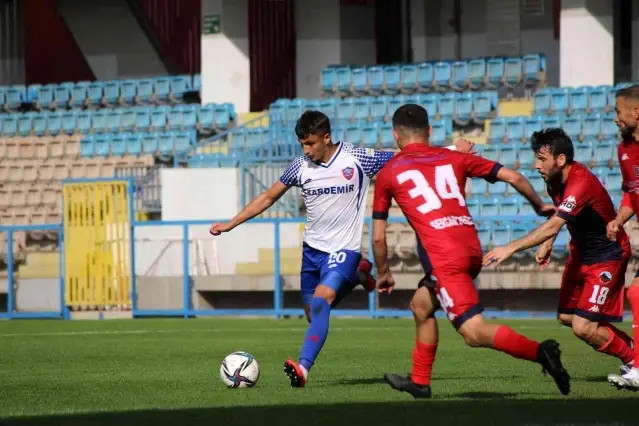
96	245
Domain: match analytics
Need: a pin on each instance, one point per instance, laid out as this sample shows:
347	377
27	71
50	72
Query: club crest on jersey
605	277
569	204
348	173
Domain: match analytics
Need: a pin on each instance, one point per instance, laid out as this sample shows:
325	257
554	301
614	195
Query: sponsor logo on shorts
569	204
605	277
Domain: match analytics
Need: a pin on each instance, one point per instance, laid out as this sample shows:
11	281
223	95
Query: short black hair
630	92
312	123
555	140
411	117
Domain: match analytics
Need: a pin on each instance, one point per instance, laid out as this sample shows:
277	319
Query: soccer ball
239	370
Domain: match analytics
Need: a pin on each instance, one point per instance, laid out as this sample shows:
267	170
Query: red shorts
594	292
456	290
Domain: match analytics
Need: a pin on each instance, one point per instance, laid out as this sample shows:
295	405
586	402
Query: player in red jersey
592	284
627	119
428	185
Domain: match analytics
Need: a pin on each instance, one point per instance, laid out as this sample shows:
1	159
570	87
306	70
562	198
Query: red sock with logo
619	333
616	346
423	359
516	345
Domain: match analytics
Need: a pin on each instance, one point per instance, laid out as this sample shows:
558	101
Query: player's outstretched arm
252	209
525	188
549	229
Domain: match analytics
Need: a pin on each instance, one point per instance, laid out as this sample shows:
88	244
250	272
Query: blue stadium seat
533	124
501	235
513	71
553	121
197	82
572	126
430	102
328	106
159	118
128	119
15	96
535	180
561	243
87	146
443	74
354	134
190	116
498	188
446	106
359	80
344	80
559	100
484	232
145	89
362	108
175	117
111	92
63	94
375	79
392	79
25	124
54	123
517	231
3	97
379	108
508	155
473	206
459	75
489	206
601	173
579	98
165	143
613	180
509	206
495	70
526	209
102	145
46	96
79	94
370	133
328	78
128	91
603	153
478	187
69	122
112	121
583	152
482	106
598	99
133	144
541	101
425	76
183	141
515	129
531	67
393	104
149	143
497	131
525	157
39	124
31	95
463	108
476	73
95	93
143	119
608	127
346	109
409	78
118	145
439	132
180	84
162	86
591	126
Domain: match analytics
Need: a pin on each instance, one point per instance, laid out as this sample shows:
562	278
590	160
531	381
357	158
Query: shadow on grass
492	411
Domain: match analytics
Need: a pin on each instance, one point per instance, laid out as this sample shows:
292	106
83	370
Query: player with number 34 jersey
428	185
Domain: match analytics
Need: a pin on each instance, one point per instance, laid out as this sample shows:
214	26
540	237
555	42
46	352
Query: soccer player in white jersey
334	179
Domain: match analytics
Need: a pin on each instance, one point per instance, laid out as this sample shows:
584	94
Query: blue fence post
132	222
277	282
10	260
186	278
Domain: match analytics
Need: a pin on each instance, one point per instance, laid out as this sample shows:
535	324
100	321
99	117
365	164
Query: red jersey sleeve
576	198
383	196
479	167
626	201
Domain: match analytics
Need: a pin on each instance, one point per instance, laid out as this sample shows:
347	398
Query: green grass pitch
166	371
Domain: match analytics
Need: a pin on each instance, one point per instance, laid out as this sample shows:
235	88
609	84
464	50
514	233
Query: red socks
617	347
423	359
619	333
633	298
516	345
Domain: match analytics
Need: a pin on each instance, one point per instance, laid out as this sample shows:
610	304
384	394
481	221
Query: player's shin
633	299
316	333
478	333
426	337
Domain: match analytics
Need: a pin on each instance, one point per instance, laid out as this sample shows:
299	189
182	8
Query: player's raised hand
497	255
385	283
546	210
466	146
542	255
217	228
611	230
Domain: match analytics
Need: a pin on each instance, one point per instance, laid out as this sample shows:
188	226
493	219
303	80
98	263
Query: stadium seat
513	71
591	127
572	126
608	127
484	232
515	129
508	155
501	235
473	207
598	99
559	100
532	124
446	106
578	100
443	74
375	80
532	67
328	80
359	80
476	73
541	101
495	70
409	82
583	152
392	79
425	76
459	75
509	206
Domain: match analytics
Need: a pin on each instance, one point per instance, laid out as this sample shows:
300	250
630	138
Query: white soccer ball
240	370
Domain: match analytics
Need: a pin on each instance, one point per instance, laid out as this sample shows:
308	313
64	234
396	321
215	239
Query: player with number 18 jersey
428	185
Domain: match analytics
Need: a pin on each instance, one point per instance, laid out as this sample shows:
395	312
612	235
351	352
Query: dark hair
555	140
631	92
312	123
411	117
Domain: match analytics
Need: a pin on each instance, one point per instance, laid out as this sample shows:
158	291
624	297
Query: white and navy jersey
335	195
